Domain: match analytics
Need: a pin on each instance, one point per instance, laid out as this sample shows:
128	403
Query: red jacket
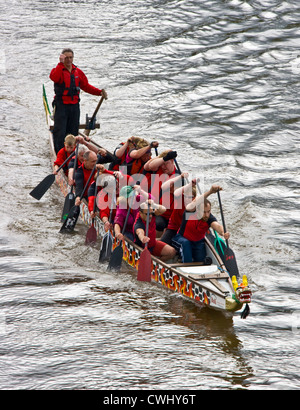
192	228
69	93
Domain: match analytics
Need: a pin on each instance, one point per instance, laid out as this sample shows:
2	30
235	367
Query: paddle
46	183
115	261
69	224
70	197
68	204
227	254
107	241
144	269
91	235
230	261
91	121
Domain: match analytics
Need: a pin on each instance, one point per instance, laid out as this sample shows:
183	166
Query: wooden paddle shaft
94	143
87	131
97	108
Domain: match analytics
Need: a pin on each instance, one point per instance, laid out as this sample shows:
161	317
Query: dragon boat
211	286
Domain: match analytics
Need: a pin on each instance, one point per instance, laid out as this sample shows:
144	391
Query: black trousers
66	121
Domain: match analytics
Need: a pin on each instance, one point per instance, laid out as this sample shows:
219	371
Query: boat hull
213	290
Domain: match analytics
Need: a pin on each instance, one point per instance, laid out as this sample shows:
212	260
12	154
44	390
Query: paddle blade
42	187
69	224
230	262
115	261
91	236
210	237
68	205
228	257
106	247
144	270
245	313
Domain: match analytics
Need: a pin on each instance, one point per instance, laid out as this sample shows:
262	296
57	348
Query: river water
219	82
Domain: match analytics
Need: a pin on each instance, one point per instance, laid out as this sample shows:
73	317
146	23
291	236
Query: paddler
63	154
68	81
83	173
157	248
197	219
81	150
182	196
139	155
130	196
163	169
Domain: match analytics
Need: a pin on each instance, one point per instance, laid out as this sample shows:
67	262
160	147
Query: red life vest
69	88
137	166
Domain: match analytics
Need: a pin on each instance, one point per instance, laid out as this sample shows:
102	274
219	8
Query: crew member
196	221
68	81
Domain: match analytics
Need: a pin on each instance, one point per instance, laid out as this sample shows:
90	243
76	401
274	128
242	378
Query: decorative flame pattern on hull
166	277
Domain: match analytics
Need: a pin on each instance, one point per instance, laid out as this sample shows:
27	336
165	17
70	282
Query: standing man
68	80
